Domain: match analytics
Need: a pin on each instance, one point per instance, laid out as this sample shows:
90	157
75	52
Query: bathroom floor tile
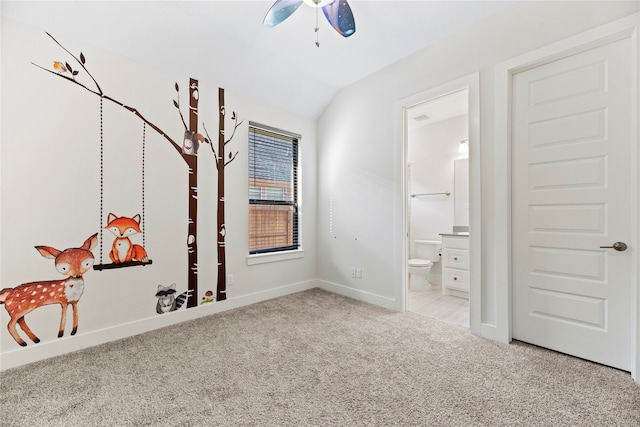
446	308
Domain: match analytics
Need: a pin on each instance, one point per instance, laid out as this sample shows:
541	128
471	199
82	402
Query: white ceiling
225	43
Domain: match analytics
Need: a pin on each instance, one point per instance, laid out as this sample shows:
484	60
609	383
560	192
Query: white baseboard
35	352
358	294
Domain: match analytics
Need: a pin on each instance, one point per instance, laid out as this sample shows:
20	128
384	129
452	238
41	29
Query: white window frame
279	254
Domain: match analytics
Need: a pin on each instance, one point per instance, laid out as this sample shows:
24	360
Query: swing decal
124	253
128	247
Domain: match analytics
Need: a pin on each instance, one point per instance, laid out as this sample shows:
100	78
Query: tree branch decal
176	103
80	61
208	141
235	127
98	91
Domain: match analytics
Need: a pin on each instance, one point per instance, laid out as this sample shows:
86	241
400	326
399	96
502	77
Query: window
273	190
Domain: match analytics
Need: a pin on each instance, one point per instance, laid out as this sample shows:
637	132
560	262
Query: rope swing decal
124	253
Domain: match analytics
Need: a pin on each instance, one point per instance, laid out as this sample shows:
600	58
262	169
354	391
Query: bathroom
438	208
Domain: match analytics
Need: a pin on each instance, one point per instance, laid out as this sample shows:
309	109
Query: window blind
273	190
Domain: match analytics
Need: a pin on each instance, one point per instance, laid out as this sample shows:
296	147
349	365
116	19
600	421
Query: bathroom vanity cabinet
455	265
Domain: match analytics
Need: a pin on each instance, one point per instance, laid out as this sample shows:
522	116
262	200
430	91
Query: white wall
360	147
50	187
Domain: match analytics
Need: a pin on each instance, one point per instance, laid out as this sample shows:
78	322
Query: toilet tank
428	249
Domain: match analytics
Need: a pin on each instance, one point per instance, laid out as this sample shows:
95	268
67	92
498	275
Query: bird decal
59	67
337	12
64	68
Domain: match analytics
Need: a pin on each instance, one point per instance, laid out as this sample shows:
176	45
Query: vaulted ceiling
225	43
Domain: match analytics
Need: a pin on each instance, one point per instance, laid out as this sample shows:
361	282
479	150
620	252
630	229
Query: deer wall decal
25	298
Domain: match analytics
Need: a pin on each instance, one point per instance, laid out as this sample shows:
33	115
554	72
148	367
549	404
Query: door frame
617	30
471	83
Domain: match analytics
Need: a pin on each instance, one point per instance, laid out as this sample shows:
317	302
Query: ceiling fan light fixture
337	12
318	3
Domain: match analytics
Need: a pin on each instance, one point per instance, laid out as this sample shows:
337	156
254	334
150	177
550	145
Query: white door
572	194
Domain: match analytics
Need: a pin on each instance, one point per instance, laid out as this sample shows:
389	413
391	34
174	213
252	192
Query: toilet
427	252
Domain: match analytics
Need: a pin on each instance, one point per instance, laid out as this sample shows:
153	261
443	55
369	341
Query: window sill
274	257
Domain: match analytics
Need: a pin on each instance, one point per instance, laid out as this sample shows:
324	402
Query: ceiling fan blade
340	17
281	10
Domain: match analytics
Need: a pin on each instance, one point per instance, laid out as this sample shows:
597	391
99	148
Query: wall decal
123	250
61	68
187	152
221	163
191	142
208	297
126	255
25	298
167	301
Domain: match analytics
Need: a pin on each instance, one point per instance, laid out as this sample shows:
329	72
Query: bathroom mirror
461	192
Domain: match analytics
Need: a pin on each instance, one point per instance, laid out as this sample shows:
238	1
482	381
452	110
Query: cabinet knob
455	278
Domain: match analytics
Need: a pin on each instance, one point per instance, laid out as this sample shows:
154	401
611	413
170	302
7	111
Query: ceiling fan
337	12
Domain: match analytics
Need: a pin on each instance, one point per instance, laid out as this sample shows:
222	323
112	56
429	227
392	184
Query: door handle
618	246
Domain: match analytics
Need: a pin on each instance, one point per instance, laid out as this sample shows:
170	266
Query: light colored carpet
316	359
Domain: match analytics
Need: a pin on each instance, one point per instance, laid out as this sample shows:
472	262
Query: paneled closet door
572	200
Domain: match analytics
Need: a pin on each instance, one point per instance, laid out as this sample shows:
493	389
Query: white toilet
427	252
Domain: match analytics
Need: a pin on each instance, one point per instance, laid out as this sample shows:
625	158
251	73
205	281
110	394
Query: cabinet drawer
456	258
455	243
455	279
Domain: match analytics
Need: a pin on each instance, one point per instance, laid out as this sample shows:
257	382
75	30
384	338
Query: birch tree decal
221	162
188	151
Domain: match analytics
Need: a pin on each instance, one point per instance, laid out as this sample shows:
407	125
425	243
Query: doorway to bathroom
442	204
437	170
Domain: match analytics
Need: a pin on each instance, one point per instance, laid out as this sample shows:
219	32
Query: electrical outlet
353	272
230	279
